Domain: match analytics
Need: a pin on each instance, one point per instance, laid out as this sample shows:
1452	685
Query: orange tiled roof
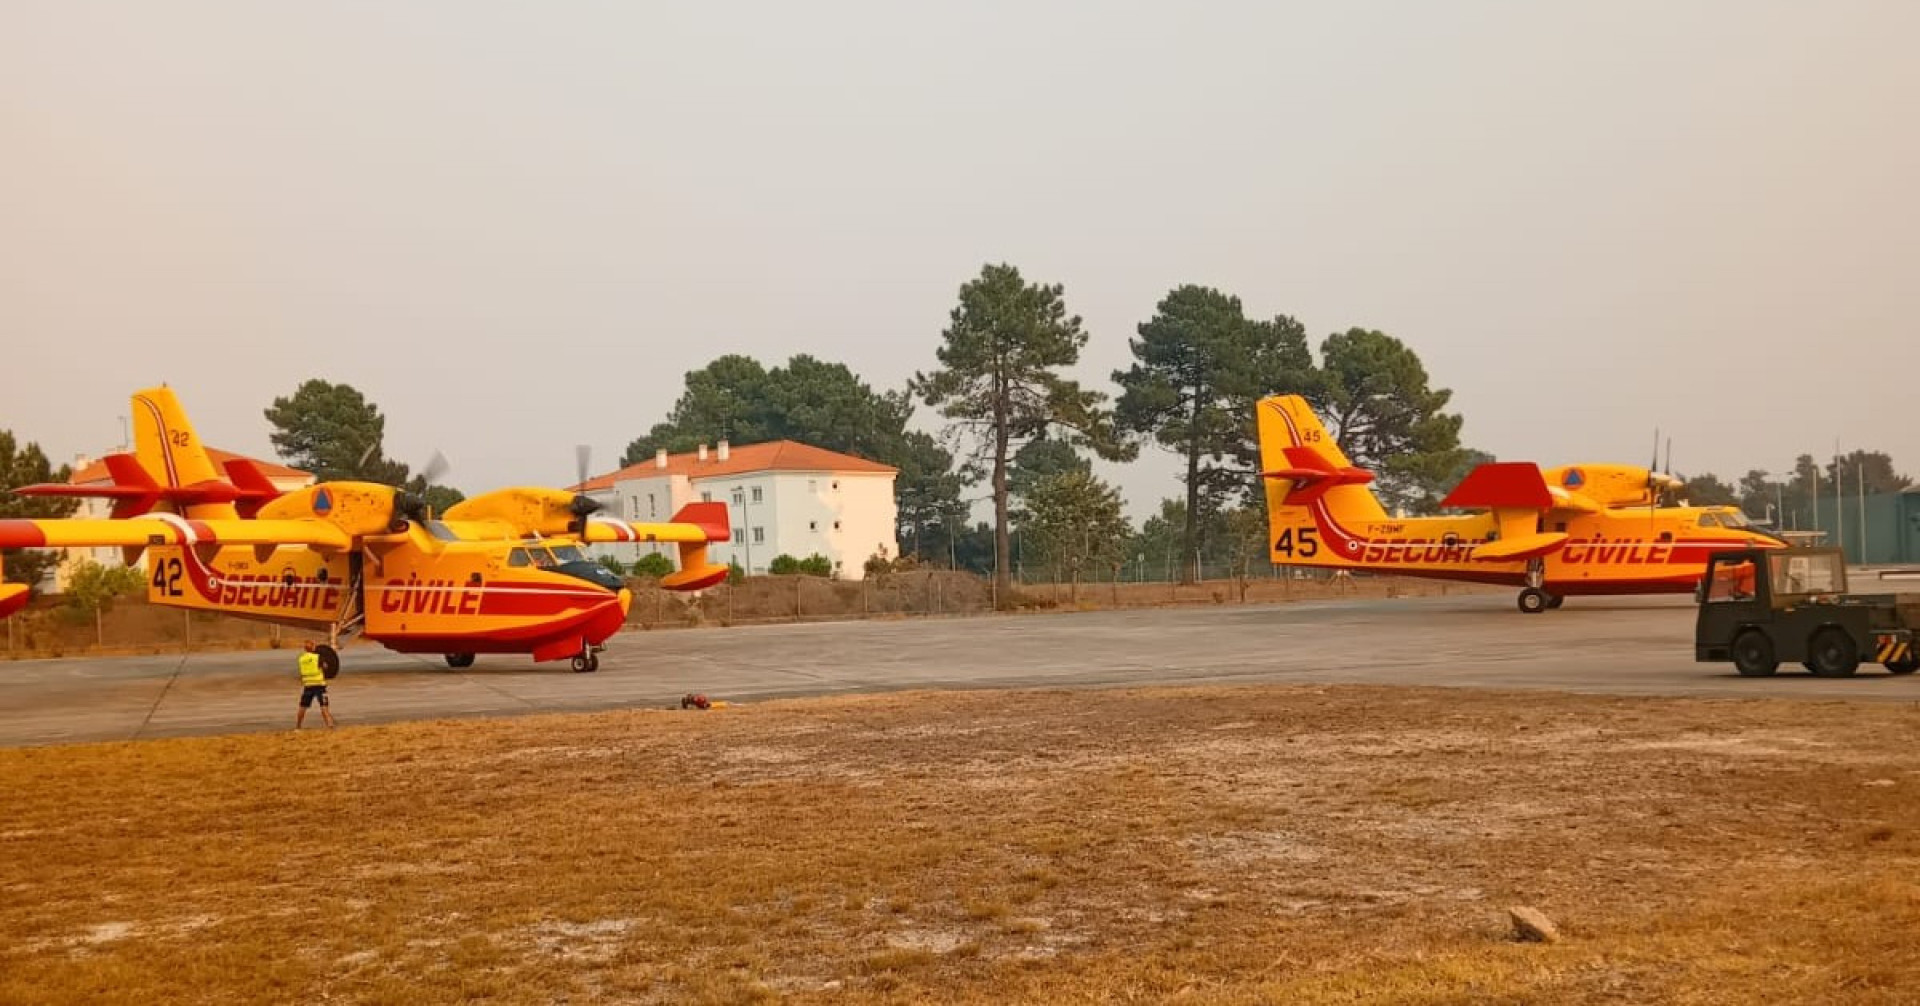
97	472
772	456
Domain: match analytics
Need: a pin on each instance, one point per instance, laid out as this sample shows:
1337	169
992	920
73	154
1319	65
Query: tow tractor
1759	607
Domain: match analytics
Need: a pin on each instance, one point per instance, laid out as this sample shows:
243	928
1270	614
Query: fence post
799	580
99	630
863	595
188	619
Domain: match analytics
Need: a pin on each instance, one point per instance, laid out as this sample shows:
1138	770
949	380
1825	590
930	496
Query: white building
782	497
88	471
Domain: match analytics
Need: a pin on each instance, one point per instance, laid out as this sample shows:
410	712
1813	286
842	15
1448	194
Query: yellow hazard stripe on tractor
1892	650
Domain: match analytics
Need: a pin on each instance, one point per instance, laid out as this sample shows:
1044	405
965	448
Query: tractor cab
1761	607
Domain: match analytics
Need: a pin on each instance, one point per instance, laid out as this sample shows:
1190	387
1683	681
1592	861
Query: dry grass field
1284	845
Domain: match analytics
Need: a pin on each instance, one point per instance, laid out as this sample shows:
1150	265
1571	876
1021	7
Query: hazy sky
515	226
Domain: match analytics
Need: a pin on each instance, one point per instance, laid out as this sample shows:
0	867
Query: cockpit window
1733	518
568	553
536	556
1709	520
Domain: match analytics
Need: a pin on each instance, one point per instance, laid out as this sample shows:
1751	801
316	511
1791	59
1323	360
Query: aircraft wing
695	523
168	529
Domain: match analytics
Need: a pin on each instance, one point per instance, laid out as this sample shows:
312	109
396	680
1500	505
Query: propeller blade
436	467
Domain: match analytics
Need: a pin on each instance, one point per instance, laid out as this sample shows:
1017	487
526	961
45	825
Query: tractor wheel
1832	654
1753	654
1554	601
458	660
1905	665
1533	601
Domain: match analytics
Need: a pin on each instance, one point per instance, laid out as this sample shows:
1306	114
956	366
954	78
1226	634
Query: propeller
582	506
412	505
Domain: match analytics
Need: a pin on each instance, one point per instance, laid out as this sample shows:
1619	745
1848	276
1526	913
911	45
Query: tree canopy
1200	366
1000	383
25	466
1376	401
334	432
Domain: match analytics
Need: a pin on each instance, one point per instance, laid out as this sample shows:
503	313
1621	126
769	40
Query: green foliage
1200	365
813	565
612	565
93	587
736	573
1875	466
1707	490
999	382
654	564
439	498
24	467
1374	394
332	431
814	402
1159	551
1074	525
1041	459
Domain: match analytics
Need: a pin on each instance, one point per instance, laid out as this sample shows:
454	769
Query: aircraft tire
329	661
1905	665
582	665
1554	601
593	662
1832	654
1533	601
458	660
1753	654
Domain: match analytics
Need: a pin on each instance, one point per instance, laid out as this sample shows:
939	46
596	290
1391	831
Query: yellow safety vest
310	673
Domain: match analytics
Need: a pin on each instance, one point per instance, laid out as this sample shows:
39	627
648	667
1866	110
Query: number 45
1309	542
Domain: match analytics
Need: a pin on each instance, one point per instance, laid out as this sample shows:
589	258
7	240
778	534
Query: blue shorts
311	692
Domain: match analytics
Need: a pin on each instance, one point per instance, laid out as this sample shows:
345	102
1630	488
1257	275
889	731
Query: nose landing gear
588	661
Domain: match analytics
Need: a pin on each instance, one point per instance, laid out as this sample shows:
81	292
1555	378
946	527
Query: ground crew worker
313	685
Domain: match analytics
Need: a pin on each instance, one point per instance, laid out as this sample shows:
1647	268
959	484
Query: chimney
723	450
703	452
660	458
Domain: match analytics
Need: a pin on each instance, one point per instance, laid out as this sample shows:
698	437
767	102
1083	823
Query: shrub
652	564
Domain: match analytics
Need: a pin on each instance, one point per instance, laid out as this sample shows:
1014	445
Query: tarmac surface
1599	645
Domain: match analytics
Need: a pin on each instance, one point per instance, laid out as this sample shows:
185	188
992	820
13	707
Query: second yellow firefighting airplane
498	573
1576	529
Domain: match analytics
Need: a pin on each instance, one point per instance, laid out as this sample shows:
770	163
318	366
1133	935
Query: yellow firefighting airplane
499	573
1578	529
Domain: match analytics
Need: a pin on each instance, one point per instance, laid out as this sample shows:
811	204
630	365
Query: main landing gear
1535	599
588	661
459	660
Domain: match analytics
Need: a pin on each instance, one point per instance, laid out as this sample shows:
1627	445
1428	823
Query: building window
633	502
653	506
836	485
739	497
706	497
813	485
836	525
759	536
813	525
756	494
739	536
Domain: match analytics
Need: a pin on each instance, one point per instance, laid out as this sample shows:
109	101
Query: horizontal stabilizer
1503	484
134	492
1313	474
1530	546
694	578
